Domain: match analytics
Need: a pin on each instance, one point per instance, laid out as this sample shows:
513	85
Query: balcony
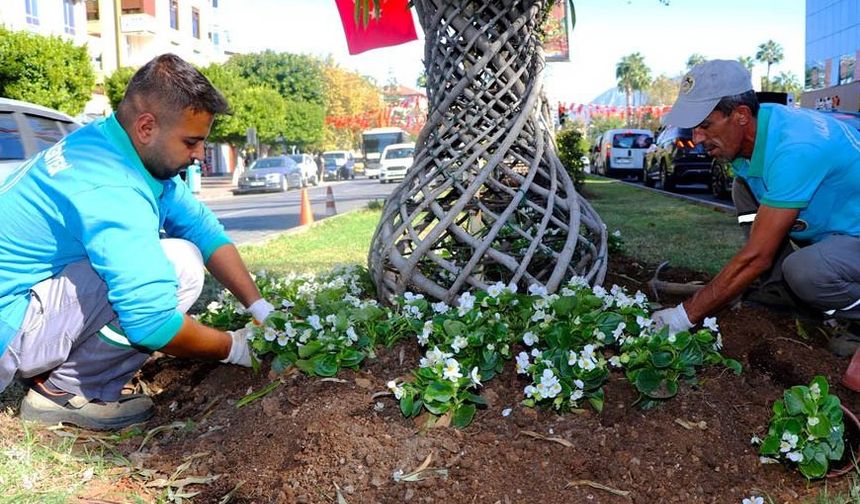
138	24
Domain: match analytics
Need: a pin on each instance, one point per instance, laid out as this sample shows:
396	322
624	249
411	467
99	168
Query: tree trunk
487	199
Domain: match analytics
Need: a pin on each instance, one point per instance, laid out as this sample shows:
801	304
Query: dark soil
309	435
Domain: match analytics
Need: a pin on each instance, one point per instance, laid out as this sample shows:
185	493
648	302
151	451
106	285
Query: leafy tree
770	53
50	71
231	129
294	76
116	83
748	62
787	82
352	100
572	146
663	90
421	81
633	75
303	125
601	124
694	60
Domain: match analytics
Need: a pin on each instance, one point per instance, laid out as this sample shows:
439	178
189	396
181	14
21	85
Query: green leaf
454	328
564	305
475	398
350	357
463	415
733	365
311	348
647	381
416	407
821	429
440	391
407	402
823	387
306	366
597	401
661	359
325	365
770	445
813	467
794	400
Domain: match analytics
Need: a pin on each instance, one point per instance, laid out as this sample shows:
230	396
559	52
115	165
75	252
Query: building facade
832	50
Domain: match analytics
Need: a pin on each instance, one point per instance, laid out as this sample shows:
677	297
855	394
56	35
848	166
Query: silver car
26	129
277	173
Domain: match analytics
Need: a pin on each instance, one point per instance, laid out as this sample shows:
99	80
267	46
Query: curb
718	207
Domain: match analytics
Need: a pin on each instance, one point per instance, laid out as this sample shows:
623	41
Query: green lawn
655	228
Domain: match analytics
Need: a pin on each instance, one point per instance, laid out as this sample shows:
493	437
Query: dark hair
728	104
169	84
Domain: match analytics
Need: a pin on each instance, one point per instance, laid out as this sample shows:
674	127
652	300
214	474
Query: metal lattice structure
487	198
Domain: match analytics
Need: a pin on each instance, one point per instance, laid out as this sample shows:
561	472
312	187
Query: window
216	40
69	16
174	14
10	138
46	131
92	10
32	8
195	23
214	4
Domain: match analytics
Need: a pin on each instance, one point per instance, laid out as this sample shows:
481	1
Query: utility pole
117	13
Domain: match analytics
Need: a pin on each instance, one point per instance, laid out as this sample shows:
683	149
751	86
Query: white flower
549	386
718	343
396	389
287	304
290	331
529	338
538	316
537	290
491	347
813	421
350	333
755	440
270	334
424	337
452	370
465	302
531	391
512	288
523	363
576	395
475	377
572	356
214	306
815	390
753	499
795	456
711	323
506	412
432	357
587	360
615	361
599	291
413	311
643	322
788	442
314	321
672	338
283	339
768	460
578	282
536	352
619	331
495	290
459	343
617	233
567	292
440	307
330	319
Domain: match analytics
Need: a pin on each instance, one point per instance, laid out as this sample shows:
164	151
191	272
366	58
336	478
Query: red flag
393	26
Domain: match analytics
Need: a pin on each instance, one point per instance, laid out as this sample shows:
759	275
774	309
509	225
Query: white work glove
675	319
260	309
239	354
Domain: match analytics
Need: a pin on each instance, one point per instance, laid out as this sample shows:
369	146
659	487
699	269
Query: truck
373	142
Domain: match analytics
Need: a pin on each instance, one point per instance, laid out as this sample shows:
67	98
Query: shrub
572	145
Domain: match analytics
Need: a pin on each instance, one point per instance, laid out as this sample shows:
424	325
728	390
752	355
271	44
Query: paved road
254	217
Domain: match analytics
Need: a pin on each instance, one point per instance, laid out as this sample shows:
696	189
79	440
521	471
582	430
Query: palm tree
770	52
747	61
787	82
633	75
694	60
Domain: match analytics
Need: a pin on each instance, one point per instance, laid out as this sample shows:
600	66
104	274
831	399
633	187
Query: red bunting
393	26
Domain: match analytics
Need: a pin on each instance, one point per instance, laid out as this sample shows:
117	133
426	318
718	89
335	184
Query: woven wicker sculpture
487	199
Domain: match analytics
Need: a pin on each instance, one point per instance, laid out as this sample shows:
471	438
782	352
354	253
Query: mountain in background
614	97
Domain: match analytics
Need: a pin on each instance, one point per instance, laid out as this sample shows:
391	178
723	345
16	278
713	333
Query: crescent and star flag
393	26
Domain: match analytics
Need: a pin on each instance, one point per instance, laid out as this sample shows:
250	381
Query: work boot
48	406
845	340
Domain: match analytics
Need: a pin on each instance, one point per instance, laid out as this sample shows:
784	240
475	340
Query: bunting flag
393	26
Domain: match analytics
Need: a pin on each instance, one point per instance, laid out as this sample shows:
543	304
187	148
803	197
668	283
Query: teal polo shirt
809	161
89	197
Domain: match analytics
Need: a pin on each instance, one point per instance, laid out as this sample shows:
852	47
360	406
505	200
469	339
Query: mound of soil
310	435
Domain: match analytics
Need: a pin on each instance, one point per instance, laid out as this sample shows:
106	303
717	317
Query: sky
605	31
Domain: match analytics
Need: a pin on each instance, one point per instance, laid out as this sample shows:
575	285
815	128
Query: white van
622	152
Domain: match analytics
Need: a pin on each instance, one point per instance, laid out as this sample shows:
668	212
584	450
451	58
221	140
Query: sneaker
44	406
845	340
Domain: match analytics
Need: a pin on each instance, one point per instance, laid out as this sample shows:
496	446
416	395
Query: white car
27	128
394	161
308	172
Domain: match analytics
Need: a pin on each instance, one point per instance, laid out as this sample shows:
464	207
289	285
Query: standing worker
797	196
88	286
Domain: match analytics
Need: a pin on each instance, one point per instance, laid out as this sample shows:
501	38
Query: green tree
787	82
231	129
295	76
633	75
572	146
601	124
264	109
304	124
50	71
116	83
663	90
694	60
769	53
748	62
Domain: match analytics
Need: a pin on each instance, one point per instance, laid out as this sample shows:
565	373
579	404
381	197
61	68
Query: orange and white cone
306	214
330	209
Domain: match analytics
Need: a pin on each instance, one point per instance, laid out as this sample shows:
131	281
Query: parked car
308	174
26	129
677	160
622	152
339	165
394	161
269	174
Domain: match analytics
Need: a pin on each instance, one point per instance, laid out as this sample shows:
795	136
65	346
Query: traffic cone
306	215
330	209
